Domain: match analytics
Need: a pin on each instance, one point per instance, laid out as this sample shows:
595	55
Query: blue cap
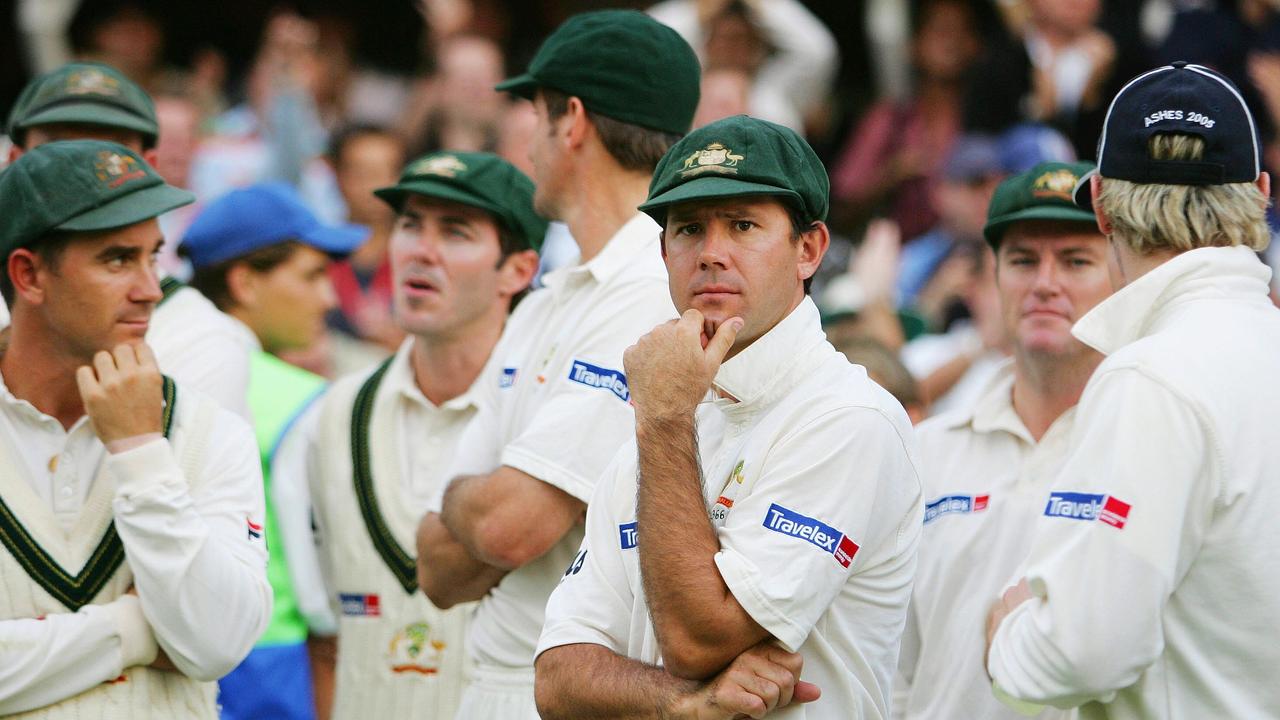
1181	98
1024	146
259	216
972	157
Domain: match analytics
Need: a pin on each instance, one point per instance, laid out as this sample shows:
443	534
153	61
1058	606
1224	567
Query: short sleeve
594	600
831	495
586	413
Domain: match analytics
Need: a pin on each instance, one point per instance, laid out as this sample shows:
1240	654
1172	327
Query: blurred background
918	107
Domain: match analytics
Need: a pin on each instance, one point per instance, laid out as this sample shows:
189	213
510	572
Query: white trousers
497	693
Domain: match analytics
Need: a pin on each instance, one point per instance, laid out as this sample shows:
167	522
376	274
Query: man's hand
670	369
162	661
760	680
121	392
1013	597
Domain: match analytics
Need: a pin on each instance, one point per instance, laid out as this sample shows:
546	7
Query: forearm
619	687
49	660
508	518
447	572
699	624
204	591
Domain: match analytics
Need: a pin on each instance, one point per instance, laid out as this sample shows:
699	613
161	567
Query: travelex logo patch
597	377
1088	506
627	535
815	532
360	604
507	378
954	504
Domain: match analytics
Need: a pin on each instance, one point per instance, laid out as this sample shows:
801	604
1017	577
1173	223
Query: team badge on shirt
415	649
813	531
360	604
584	373
255	530
1088	506
961	504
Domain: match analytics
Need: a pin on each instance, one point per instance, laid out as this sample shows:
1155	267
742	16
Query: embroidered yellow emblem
415	650
442	165
92	82
1055	183
115	169
713	158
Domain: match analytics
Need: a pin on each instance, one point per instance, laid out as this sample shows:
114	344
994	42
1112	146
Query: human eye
743	225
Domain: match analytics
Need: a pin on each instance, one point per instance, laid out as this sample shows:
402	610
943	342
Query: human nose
715	249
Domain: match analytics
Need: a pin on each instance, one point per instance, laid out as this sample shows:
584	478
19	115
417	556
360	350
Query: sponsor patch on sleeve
813	531
360	604
960	504
594	376
1089	507
627	535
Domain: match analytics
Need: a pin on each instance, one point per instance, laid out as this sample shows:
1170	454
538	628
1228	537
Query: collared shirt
1154	568
984	480
556	407
199	573
202	348
426	438
811	485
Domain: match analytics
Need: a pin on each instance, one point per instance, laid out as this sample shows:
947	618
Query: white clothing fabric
185	511
555	405
203	349
499	693
811	484
984	480
1154	569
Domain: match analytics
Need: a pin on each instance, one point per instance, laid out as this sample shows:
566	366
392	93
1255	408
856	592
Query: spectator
895	158
365	158
726	92
789	54
456	108
1056	68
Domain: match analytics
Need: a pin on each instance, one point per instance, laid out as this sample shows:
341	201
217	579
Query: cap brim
129	209
994	230
90	114
336	241
1083	192
523	85
708	188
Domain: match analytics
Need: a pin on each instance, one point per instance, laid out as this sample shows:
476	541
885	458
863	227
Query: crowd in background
919	109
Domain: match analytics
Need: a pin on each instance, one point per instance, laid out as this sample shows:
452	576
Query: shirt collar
1135	310
993	410
401	380
750	374
24	407
639	235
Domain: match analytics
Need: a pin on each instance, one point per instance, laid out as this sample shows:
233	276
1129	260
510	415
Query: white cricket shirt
984	480
202	348
811	483
556	406
1155	564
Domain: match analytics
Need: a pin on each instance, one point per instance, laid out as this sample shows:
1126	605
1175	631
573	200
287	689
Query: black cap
1177	98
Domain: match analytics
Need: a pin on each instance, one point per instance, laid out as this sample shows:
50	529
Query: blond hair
1153	217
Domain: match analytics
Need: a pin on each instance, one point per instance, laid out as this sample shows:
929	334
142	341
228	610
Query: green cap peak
478	179
1042	193
623	64
84	92
79	185
736	156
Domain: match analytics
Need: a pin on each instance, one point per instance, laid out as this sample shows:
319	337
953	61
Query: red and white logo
1114	512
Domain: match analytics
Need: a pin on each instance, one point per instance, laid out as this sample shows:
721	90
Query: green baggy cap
79	185
740	155
623	64
84	92
1042	193
478	179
